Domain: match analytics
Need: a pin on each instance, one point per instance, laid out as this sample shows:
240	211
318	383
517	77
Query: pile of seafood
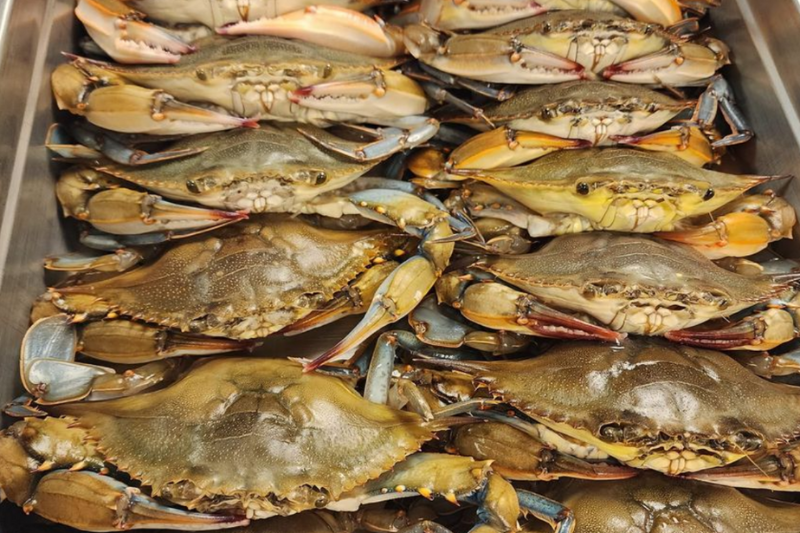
561	308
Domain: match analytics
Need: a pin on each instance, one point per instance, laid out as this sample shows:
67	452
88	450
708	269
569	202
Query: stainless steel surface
766	76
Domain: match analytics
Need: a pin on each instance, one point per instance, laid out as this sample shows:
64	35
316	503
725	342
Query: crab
539	120
570	45
649	403
655	504
481	14
622	189
120	29
184	445
241	282
274	169
631	284
252	77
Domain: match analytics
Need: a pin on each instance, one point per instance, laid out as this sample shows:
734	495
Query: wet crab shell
635	284
245	281
645	393
236	431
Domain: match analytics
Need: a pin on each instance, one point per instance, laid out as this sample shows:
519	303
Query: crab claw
122	34
731	235
127	212
331	26
506	147
497	306
381	93
770	471
118	261
133	109
397	296
94	502
690	144
764	330
355	300
489	58
679	65
476	14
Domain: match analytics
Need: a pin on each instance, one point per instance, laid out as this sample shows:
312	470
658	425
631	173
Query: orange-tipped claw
505	147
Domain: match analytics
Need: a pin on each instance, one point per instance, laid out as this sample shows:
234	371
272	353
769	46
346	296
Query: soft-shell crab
252	77
236	439
655	504
632	284
570	45
649	404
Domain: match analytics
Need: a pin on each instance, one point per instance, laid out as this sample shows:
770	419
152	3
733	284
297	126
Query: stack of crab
586	267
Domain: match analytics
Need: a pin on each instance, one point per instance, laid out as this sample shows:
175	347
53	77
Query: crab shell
633	284
618	189
649	403
271	169
652	503
244	281
251	434
582	110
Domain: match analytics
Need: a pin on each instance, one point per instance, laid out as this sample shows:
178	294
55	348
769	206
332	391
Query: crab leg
770	366
772	471
94	143
405	288
94	502
118	261
719	95
664	12
335	27
550	511
122	34
389	140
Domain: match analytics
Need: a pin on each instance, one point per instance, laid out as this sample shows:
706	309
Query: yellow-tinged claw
505	147
335	27
679	65
690	144
475	14
731	235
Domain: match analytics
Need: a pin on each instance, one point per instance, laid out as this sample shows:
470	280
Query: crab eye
612	432
747	441
582	188
709	194
320	178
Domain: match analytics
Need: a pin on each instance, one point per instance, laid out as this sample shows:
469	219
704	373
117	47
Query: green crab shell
616	278
619	189
252	429
649	387
270	169
244	281
652	503
570	109
576	34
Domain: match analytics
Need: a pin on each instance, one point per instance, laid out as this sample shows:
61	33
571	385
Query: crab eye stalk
582	188
320	178
612	432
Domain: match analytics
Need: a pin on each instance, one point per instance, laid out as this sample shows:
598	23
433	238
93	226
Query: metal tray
764	38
